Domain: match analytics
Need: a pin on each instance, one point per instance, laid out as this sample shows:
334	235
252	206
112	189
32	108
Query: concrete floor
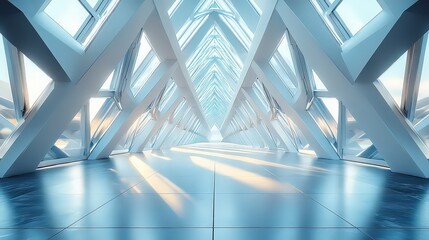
214	191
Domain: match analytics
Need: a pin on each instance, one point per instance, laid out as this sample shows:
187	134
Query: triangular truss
319	77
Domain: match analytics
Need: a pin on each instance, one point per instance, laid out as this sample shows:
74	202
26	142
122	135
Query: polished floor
214	191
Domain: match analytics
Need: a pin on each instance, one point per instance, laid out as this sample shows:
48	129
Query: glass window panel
356	14
332	105
178	110
139	82
286	53
357	141
318	82
108	83
170	89
188	30
126	140
422	108
301	141
92	3
290	83
324	111
257	86
282	63
70	141
36	80
95	105
154	138
286	127
106	114
240	29
393	78
144	50
143	121
173	7
5	90
98	23
421	119
69	14
422	129
7	109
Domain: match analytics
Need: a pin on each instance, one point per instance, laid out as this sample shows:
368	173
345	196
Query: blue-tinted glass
7	108
356	14
70	14
393	78
36	81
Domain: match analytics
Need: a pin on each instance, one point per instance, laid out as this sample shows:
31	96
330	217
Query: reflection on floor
214	191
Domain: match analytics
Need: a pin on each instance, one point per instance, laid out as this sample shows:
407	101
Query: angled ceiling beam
17	29
141	140
299	115
172	124
133	110
33	138
387	128
186	82
258	36
73	57
203	30
250	95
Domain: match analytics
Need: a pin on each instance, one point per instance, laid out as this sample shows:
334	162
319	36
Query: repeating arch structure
343	80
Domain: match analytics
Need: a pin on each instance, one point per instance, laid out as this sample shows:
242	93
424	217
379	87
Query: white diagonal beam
295	111
173	102
34	137
250	95
393	136
257	39
132	111
186	82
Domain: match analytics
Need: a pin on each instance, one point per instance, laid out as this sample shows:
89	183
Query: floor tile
378	210
27	234
153	210
272	210
289	234
398	234
240	184
161	184
331	184
136	233
48	211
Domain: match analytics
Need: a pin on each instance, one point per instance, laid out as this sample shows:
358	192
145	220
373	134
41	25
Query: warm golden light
246	177
247	160
241	151
145	170
160	156
161	185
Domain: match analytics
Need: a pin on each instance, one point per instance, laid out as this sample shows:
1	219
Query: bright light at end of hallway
254	161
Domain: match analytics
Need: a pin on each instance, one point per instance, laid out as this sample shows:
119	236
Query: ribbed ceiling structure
215	38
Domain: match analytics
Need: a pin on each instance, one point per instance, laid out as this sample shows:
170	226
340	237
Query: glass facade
346	18
8	119
80	18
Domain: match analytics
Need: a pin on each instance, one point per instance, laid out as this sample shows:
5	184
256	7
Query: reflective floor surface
214	191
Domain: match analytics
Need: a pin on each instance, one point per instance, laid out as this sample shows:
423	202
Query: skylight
346	18
80	18
214	64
